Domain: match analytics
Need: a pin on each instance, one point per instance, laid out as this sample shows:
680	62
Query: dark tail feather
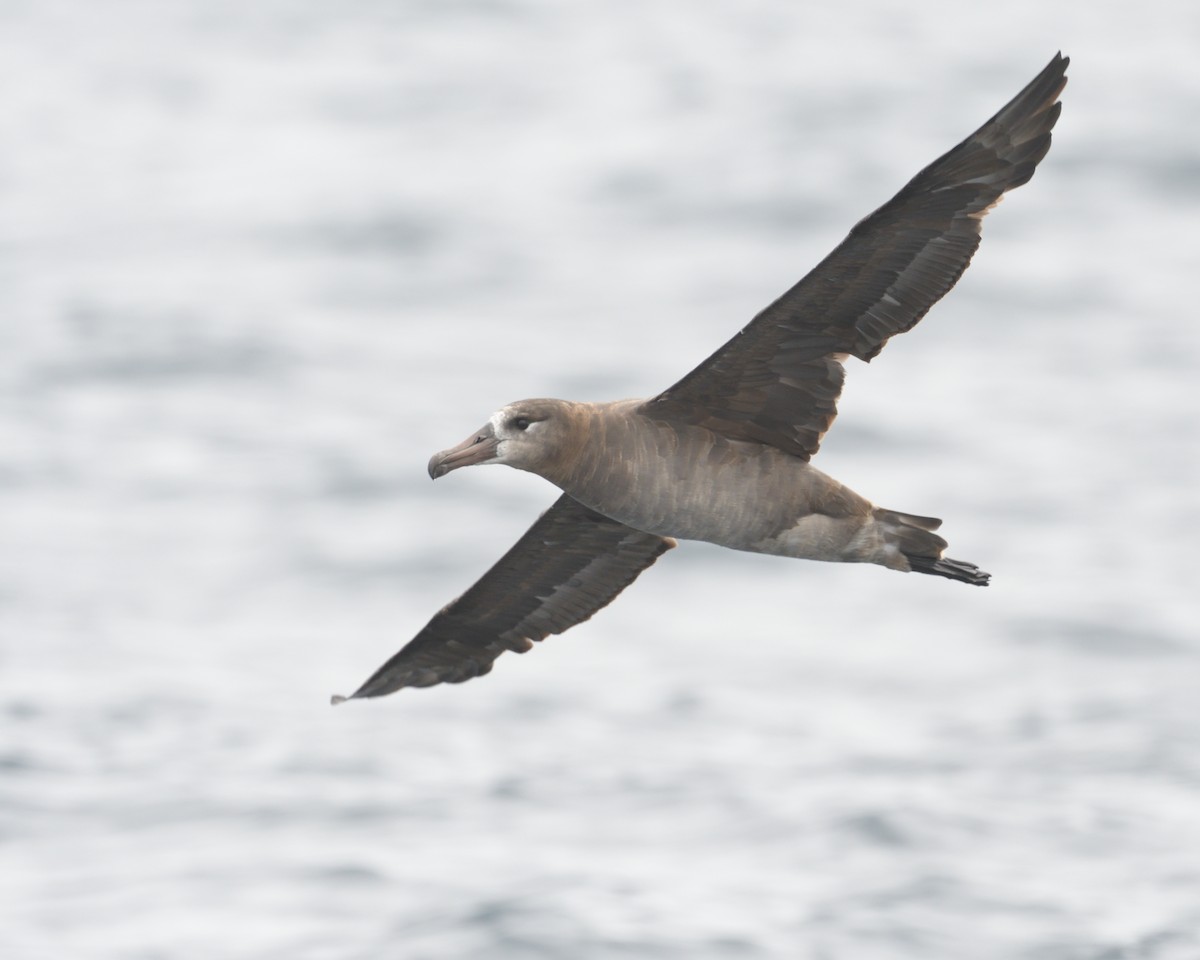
913	536
953	569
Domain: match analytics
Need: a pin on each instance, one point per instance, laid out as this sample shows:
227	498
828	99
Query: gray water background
258	261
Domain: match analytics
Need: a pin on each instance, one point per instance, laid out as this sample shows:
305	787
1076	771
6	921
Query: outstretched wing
569	564
777	382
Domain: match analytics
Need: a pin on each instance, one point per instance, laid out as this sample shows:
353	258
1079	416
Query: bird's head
533	435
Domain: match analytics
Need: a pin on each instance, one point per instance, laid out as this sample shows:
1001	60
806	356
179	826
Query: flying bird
724	454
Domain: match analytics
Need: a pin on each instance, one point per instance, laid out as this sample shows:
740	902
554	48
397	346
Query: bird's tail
954	569
913	536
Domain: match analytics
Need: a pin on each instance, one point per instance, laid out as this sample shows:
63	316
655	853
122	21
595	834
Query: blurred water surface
258	261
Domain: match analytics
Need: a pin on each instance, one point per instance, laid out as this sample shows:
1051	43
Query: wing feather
777	382
569	564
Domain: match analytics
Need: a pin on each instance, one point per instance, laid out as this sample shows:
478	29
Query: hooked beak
477	448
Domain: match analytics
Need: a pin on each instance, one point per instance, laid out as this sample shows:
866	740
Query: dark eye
521	423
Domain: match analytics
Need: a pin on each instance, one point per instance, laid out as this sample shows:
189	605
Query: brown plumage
723	454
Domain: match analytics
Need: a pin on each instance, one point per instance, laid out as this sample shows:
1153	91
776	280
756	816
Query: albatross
724	454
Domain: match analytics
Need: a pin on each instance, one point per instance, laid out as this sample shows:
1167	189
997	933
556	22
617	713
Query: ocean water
258	261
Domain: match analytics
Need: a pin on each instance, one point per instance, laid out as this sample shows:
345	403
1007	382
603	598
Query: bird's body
686	482
723	455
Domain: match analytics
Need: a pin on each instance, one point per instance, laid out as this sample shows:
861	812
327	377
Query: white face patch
516	447
497	421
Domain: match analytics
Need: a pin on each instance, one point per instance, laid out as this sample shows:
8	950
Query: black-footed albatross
723	455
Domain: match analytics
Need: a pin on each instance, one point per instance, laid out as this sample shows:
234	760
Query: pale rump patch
834	539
